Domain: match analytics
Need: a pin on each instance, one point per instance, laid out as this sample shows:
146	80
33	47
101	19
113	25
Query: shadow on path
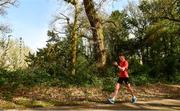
163	104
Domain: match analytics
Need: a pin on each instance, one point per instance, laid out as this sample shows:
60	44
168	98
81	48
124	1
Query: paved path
162	104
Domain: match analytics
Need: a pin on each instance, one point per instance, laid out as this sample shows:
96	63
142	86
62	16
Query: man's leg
134	99
128	86
116	90
114	94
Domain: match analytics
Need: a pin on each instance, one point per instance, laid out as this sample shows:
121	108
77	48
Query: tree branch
110	21
170	19
7	2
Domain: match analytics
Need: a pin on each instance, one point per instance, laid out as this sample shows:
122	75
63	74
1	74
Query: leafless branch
62	17
100	4
58	32
7	2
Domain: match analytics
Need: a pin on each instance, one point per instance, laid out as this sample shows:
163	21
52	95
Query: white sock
113	98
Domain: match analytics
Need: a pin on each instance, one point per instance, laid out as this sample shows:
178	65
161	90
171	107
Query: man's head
121	57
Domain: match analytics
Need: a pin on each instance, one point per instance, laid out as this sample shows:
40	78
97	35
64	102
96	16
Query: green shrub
109	83
140	80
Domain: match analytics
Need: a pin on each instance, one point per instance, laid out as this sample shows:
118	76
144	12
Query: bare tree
4	30
5	4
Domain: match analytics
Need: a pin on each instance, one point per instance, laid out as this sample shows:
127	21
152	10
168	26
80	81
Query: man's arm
126	65
121	68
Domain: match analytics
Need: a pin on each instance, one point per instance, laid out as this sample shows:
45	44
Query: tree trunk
74	36
97	29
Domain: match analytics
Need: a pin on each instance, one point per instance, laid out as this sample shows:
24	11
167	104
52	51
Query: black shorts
122	80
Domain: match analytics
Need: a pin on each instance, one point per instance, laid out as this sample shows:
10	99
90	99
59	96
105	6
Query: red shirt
124	64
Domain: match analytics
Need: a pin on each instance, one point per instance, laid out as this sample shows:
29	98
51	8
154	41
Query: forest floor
150	97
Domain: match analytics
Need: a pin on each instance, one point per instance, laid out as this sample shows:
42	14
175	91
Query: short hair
121	54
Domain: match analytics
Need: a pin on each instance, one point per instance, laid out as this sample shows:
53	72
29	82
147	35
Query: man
123	78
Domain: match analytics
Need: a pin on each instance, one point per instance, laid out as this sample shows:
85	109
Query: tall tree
13	53
74	34
161	9
116	35
73	29
138	23
163	33
97	30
